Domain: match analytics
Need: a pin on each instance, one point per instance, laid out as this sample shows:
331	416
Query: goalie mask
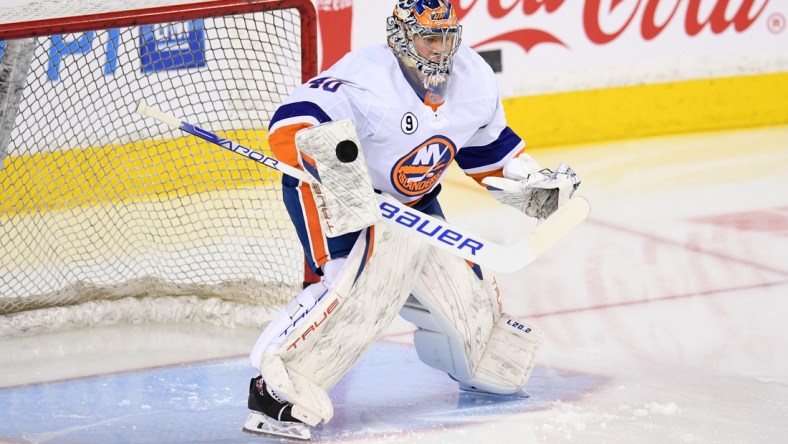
425	35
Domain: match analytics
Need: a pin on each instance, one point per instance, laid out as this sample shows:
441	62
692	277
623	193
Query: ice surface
664	320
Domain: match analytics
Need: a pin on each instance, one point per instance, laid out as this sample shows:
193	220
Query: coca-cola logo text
649	15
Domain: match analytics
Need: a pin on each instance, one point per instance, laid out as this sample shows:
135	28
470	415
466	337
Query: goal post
106	218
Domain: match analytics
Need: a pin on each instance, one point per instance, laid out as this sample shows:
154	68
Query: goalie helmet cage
108	217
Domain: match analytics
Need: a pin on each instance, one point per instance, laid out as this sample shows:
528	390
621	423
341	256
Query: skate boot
271	415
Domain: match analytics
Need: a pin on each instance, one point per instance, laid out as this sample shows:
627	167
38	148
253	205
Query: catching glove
534	190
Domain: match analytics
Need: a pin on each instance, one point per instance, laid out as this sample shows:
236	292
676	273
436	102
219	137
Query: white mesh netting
106	216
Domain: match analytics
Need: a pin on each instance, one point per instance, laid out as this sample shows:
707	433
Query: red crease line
715	292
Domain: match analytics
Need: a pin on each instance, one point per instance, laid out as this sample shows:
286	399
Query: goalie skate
260	424
271	415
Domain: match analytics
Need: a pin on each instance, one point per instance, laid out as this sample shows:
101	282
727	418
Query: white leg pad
508	358
323	345
449	299
462	330
311	403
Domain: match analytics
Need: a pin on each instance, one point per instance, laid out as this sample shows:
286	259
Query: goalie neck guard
425	35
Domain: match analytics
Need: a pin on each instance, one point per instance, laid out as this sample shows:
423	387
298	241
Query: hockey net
108	217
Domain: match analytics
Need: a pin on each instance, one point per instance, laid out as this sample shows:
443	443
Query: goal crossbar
188	11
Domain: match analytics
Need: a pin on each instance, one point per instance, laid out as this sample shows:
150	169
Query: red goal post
106	218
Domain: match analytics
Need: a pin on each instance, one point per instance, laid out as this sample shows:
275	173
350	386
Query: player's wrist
521	168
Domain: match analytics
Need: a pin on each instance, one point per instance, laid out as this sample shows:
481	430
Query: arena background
570	72
664	313
591	70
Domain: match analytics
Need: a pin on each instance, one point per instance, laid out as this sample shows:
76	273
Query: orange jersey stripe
282	143
371	244
478	177
498	172
317	240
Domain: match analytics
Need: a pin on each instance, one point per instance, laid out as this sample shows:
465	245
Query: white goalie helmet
425	35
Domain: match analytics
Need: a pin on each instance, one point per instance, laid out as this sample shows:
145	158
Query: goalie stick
434	231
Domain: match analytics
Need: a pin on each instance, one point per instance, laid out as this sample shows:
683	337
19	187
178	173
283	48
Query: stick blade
144	110
559	224
141	108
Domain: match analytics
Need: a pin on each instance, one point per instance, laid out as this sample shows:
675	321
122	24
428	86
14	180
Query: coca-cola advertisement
543	46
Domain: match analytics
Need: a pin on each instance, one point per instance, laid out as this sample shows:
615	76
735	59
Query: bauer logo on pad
170	46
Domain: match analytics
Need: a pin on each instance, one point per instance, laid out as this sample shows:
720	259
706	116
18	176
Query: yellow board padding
145	170
166	169
580	117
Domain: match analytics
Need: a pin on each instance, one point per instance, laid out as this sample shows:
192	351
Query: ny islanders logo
420	170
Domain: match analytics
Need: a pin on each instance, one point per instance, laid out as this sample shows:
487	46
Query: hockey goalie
390	119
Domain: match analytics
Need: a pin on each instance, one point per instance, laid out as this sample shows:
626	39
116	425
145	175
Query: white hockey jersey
407	145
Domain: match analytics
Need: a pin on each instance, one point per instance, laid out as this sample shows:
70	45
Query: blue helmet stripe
422	5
